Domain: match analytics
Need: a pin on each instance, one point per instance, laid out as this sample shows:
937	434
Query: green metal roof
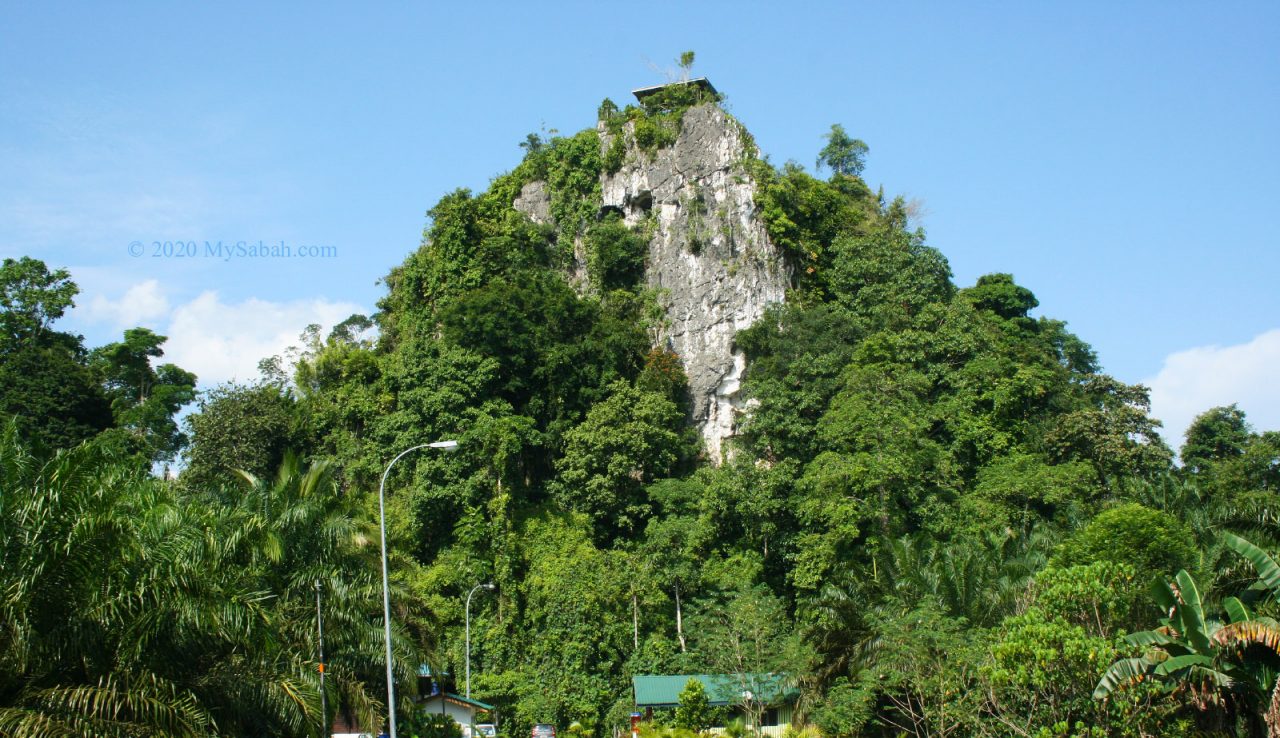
722	689
451	697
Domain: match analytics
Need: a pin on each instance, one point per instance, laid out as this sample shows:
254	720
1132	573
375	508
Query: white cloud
1197	379
218	340
143	303
224	341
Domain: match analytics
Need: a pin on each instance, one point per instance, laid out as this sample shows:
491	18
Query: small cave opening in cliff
643	201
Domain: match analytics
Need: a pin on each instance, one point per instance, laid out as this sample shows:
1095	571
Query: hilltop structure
701	83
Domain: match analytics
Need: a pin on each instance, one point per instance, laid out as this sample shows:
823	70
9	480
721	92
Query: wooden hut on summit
702	84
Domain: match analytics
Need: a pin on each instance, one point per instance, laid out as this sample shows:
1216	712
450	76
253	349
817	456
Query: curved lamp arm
486	585
386	589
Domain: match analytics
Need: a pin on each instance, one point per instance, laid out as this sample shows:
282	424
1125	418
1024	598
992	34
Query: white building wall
461	715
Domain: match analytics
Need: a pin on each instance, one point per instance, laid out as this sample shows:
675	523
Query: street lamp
489	586
324	699
386	589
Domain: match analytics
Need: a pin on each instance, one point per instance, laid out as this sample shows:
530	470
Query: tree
533	143
132	610
1258	468
887	279
1044	661
980	579
686	61
795	357
1110	428
844	155
355	330
574	627
671	548
880	425
1151	541
238	427
1021	490
420	724
615	254
31	298
747	636
56	399
999	294
624	443
844	709
694	711
1204	659
922	672
1225	459
43	379
556	353
1040	672
1216	435
144	398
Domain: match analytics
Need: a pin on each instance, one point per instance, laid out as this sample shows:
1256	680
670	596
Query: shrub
1151	541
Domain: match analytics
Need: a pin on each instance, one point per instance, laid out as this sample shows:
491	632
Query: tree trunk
679	621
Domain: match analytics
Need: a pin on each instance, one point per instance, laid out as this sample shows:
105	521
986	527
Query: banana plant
1183	652
1267	568
1212	661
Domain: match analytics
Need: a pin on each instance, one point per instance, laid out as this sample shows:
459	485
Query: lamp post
324	699
386	588
489	586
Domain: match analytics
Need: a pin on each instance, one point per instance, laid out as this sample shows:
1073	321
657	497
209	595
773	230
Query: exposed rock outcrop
534	201
709	254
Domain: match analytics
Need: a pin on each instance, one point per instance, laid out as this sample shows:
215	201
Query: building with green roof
775	692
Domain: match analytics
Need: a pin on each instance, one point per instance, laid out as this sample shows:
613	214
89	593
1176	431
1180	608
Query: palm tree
127	609
67	598
981	579
301	530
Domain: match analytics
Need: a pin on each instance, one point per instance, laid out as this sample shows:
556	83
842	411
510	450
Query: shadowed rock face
709	254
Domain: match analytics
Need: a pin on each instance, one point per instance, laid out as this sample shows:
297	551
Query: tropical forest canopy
939	517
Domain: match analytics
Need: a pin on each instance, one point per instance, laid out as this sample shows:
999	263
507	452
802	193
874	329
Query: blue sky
1119	159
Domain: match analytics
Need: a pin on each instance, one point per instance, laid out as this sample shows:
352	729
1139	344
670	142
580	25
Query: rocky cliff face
709	255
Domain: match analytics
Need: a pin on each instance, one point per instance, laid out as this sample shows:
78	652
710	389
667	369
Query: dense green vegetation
134	607
940	517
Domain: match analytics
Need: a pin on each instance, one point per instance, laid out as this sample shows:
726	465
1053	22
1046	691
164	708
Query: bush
694	711
1151	541
615	254
430	725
